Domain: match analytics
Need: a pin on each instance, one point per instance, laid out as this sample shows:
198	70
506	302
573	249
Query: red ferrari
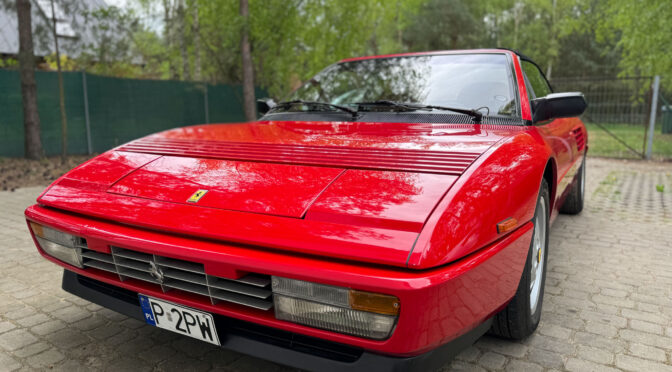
387	214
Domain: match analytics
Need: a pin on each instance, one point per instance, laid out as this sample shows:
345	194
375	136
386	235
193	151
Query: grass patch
602	144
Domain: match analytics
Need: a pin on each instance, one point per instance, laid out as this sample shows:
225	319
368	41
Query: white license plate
180	319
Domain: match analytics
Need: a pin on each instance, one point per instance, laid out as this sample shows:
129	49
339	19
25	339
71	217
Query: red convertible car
389	213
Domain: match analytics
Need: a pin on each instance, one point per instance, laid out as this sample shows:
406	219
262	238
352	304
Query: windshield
469	81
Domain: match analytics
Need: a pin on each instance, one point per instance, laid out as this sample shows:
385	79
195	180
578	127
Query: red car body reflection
406	209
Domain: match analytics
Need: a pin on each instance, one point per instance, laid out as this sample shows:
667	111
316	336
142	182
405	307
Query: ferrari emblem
156	272
195	197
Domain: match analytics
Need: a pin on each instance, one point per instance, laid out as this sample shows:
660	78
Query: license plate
180	319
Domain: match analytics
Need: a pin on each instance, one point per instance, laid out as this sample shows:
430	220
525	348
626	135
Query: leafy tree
642	30
291	40
444	24
558	35
114	51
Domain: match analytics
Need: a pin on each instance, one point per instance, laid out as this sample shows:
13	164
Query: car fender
503	183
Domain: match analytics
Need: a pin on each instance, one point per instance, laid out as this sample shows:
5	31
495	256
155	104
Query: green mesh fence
119	109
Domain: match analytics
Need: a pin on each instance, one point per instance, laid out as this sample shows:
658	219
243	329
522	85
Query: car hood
357	191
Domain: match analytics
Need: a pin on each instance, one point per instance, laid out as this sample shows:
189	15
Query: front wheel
521	316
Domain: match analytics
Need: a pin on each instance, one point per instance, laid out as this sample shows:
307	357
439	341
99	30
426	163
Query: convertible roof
439	52
429	53
519	54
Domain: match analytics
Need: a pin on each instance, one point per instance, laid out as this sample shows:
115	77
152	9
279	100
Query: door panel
566	136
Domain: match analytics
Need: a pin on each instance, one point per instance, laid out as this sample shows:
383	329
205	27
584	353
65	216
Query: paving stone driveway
608	303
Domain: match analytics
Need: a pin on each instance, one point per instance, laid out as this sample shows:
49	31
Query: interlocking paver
33	320
8	363
6	326
647	352
635	364
492	360
48	327
46	359
641	325
595	355
546	358
580	365
33	349
608	304
516	365
16	339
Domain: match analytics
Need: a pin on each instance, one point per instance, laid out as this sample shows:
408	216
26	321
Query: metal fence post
207	109
86	114
652	117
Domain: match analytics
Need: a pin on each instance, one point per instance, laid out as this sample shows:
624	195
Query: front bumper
437	305
282	347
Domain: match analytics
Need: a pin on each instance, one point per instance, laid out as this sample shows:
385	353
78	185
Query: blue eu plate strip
147	310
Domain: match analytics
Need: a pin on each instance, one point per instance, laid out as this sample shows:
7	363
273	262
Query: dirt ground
15	173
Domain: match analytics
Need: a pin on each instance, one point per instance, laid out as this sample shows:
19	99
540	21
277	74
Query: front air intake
252	290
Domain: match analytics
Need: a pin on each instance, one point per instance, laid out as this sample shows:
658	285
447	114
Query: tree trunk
517	10
549	70
61	93
197	41
168	37
186	73
31	118
496	32
453	40
249	104
553	42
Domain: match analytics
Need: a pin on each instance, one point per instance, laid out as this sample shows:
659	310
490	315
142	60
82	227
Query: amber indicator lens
37	229
374	302
507	225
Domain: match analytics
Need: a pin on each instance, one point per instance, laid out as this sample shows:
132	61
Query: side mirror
558	105
264	105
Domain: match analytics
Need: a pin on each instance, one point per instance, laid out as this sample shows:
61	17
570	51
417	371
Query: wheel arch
551	176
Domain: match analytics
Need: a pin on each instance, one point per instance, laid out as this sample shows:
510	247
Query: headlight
58	244
338	309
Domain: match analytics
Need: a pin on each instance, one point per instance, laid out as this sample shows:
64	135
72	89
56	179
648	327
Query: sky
152	19
118	3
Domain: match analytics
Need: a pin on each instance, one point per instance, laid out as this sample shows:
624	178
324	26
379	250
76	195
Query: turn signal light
339	309
37	229
60	245
374	302
507	225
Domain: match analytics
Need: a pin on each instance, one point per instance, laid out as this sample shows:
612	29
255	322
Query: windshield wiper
350	111
477	115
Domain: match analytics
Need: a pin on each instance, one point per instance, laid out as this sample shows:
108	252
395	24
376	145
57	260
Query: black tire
521	317
574	202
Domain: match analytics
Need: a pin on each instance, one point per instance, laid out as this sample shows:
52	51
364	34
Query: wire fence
619	114
104	112
621	101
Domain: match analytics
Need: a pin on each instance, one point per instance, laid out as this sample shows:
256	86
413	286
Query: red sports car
389	213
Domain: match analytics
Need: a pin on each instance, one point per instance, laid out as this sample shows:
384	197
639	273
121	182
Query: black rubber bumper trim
254	340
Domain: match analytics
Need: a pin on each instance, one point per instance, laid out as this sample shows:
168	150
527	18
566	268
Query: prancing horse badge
195	197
